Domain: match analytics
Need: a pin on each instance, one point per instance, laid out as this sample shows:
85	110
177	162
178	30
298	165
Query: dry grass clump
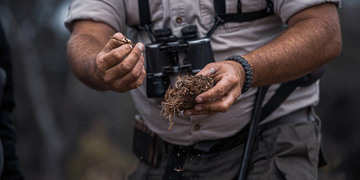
182	96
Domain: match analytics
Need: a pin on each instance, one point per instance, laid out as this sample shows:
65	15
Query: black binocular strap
144	12
251	139
222	17
220	9
260	113
145	18
285	89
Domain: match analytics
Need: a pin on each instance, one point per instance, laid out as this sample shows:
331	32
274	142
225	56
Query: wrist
246	71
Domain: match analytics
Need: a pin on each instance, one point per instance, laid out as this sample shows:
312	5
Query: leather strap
222	17
144	12
285	89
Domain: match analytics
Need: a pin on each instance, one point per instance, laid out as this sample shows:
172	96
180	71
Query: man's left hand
230	77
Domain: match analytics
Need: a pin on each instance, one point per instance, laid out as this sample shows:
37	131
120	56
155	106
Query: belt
206	146
151	144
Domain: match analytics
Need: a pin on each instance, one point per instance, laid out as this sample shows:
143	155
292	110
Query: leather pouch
146	147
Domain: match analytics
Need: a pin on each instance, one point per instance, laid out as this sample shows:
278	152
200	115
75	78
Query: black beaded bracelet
248	71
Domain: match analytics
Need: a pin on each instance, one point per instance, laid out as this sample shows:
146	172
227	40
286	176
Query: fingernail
212	71
198	108
128	46
199	100
140	46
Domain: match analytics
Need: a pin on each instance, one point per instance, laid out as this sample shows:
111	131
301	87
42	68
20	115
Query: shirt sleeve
287	8
110	12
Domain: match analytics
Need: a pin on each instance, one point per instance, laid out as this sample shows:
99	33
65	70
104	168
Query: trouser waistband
148	146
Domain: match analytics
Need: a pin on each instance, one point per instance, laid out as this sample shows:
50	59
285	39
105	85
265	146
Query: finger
219	106
139	81
219	90
130	77
114	42
119	86
126	65
208	70
114	57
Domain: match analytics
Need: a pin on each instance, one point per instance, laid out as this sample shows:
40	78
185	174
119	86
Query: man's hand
121	67
230	77
312	39
101	61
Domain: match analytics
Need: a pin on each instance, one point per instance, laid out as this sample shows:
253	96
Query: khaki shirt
229	39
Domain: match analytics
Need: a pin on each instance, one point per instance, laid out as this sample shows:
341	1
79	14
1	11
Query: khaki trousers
289	151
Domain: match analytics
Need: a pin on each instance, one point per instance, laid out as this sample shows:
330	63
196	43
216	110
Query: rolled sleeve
287	8
110	12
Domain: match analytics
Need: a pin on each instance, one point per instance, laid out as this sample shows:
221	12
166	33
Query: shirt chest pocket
207	13
132	12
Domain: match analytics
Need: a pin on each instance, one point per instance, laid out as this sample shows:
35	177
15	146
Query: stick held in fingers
115	41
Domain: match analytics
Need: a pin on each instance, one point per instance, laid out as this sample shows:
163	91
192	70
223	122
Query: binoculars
170	55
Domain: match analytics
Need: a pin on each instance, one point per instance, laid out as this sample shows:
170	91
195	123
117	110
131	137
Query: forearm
308	43
83	48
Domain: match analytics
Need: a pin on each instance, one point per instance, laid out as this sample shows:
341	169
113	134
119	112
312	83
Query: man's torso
228	40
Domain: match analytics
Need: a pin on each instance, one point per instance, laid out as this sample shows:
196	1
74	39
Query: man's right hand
120	67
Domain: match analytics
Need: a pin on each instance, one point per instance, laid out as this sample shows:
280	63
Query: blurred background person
9	164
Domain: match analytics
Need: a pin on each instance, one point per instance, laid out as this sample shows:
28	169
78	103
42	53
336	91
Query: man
207	142
9	164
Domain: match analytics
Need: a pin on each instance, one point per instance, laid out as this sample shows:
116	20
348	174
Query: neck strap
221	16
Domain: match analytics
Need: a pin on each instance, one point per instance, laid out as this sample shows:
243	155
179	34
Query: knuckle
118	55
99	62
134	75
138	72
125	67
220	91
232	79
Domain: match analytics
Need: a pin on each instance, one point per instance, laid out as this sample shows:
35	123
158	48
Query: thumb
208	70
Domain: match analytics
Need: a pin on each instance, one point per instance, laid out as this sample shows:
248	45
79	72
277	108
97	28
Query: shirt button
197	127
179	20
